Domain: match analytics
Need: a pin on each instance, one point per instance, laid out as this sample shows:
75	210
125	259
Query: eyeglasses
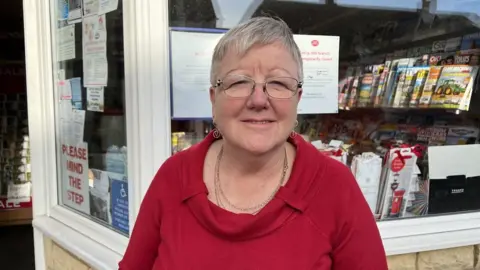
239	86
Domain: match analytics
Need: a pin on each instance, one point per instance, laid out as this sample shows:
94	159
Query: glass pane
90	116
402	112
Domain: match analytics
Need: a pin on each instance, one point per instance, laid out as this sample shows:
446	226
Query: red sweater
318	220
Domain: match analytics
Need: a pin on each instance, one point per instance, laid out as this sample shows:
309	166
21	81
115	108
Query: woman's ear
299	93
212	95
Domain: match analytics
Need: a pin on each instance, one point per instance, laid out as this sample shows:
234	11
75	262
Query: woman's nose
259	97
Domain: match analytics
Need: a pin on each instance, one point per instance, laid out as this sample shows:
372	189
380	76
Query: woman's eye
239	83
278	84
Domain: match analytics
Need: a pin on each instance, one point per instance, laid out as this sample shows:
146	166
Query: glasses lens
282	87
237	86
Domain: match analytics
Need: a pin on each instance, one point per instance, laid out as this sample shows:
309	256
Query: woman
253	195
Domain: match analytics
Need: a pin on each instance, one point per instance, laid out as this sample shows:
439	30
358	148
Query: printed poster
190	67
320	56
190	72
64	90
66	43
95	99
72	123
75	188
90	7
105	6
74	11
95	65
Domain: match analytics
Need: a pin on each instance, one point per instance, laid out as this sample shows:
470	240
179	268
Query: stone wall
57	258
462	258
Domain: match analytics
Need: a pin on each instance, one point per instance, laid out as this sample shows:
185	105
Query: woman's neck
244	163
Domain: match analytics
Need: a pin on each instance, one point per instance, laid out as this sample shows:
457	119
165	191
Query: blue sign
76	86
62	9
119	203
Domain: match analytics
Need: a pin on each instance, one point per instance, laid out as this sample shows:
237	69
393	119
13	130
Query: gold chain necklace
253	209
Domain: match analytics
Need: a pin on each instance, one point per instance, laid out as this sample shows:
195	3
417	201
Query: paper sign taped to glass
74	171
95	64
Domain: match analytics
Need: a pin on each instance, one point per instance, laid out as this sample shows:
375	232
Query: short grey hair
256	31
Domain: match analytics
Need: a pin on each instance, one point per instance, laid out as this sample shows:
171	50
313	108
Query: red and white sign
6	204
75	189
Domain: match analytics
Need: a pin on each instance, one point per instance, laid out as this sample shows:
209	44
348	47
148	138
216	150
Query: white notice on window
320	56
95	99
64	90
90	7
78	125
191	73
95	65
106	6
74	11
66	43
95	70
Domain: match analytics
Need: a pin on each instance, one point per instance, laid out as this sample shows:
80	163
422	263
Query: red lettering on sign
75	197
74	167
75	152
75	182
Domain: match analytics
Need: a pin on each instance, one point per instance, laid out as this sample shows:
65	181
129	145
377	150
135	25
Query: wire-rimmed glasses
239	86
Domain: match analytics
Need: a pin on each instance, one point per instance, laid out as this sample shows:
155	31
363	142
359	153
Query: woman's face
256	123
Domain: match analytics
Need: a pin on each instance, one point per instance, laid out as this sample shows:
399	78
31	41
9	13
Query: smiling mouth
258	122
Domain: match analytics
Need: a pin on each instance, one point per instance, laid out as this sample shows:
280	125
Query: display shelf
427	111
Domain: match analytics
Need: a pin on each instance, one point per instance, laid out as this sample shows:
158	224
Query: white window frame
147	85
148	125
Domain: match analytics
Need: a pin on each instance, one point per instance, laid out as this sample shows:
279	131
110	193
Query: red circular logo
315	43
397	164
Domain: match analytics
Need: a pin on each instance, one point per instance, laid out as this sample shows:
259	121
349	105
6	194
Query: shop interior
408	106
16	233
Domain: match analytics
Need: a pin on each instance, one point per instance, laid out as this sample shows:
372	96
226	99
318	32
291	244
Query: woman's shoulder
175	169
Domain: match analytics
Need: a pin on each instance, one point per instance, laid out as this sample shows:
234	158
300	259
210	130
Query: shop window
15	172
399	103
90	115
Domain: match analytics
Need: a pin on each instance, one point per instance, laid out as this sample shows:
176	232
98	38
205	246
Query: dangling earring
216	133
293	133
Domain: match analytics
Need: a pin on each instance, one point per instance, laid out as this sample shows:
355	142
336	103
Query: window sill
92	252
430	233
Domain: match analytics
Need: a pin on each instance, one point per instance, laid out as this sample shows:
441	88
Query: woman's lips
258	122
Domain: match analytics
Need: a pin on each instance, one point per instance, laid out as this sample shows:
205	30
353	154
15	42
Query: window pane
90	116
405	91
